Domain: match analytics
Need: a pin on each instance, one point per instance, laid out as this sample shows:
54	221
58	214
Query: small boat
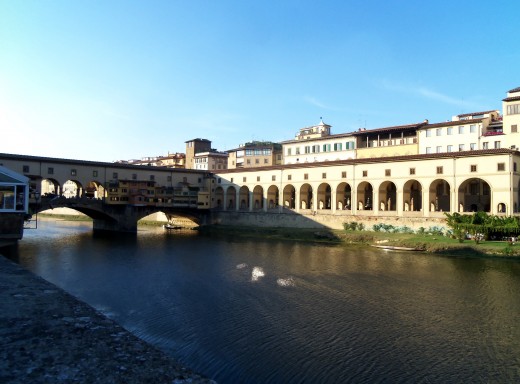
171	226
394	248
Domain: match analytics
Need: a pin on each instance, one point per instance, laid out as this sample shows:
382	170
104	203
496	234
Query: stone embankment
48	336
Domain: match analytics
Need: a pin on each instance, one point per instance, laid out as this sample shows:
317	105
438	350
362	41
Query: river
253	311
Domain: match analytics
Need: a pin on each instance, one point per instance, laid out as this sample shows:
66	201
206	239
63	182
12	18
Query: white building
317	144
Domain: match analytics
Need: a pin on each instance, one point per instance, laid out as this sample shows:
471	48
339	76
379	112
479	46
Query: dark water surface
253	311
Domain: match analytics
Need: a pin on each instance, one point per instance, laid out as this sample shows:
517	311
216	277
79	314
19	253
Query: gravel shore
48	336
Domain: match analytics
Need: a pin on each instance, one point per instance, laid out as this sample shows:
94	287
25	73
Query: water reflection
314	313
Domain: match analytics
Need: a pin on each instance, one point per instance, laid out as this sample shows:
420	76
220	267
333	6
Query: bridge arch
72	189
50	187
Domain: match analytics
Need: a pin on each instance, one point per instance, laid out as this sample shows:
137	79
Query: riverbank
427	242
48	336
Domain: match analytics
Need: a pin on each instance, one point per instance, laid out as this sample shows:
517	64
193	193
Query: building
317	144
211	161
14	204
255	154
193	147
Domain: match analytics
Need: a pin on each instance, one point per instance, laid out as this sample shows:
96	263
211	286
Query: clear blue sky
108	80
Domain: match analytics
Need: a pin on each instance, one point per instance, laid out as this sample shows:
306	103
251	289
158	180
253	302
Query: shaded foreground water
254	311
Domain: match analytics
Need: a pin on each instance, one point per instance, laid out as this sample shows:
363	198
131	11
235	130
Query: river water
253	311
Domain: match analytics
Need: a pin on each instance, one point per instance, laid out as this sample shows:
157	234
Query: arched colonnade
408	198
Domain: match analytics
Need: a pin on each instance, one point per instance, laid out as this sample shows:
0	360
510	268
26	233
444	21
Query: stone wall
293	220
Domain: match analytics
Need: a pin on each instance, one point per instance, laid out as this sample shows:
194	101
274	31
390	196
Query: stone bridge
120	218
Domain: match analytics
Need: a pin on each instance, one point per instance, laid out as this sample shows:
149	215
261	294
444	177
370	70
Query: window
449	131
473	168
472	128
438	132
514	128
73	172
323	175
273	178
428	133
473	146
94	173
514	167
258	178
513	109
501	166
307	149
152	177
428	149
114	175
231	180
450	148
266	161
461	147
438	149
257	161
344	174
244	179
50	171
289	150
289	177
497	144
365	173
169	178
485	145
439	170
185	179
388	172
25	169
298	150
461	130
412	171
249	161
134	176
305	176
337	146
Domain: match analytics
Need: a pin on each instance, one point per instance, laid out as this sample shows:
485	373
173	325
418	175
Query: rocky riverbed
48	336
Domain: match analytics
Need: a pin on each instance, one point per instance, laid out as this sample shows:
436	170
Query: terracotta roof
514	90
390	129
454	155
515	98
451	123
475	113
329	137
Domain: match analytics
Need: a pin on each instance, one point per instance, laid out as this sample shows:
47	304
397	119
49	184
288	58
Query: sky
111	80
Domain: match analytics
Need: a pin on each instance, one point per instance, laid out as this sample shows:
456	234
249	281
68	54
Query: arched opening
50	188
439	196
324	196
387	196
258	198
365	196
272	197
72	189
412	196
243	198
231	197
344	196
474	196
306	197
94	190
289	197
501	208
219	198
